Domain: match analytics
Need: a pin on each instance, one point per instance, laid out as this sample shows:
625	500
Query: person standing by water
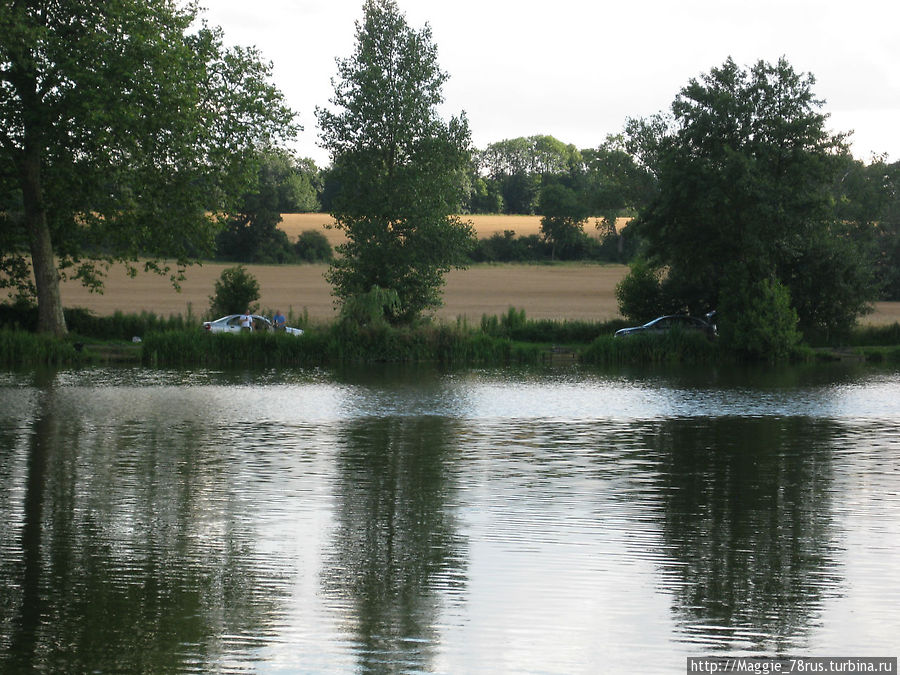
278	320
246	321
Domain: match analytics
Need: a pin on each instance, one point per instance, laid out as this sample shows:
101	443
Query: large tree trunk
46	276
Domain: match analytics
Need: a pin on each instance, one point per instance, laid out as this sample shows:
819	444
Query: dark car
664	324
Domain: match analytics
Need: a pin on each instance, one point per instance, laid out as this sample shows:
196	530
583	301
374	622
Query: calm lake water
407	520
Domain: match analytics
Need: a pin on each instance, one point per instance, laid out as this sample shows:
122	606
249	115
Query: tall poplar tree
398	165
122	127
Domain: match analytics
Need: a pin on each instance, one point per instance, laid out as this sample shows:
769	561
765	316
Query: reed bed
21	348
333	345
674	347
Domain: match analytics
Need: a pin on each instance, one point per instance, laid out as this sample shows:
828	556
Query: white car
232	324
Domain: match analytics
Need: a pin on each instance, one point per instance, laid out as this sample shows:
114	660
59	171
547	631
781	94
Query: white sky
577	69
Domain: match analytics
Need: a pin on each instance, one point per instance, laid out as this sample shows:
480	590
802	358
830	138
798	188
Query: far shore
566	291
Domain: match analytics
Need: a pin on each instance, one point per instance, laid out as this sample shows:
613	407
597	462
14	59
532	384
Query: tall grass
20	348
516	326
121	326
336	344
674	347
875	336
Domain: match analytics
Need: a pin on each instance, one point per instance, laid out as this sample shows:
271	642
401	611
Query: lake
406	520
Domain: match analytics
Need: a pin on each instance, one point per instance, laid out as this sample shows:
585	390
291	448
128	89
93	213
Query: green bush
757	321
312	246
640	294
371	308
235	291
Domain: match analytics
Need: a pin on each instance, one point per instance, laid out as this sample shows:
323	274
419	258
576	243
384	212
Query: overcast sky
577	69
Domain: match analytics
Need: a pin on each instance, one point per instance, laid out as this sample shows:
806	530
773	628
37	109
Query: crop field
562	291
566	291
485	225
543	291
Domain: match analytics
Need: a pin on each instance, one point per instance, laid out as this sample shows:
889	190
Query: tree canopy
745	168
396	164
123	125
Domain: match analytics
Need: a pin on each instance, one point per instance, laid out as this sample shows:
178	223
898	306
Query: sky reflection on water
408	520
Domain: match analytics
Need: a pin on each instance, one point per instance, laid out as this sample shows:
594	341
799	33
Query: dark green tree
562	221
313	246
397	166
301	186
251	233
614	184
745	168
518	168
122	126
868	202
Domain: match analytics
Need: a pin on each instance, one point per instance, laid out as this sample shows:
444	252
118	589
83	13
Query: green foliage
562	224
515	169
640	294
235	292
756	320
313	246
121	326
888	335
684	347
506	247
251	233
515	326
372	309
612	182
505	325
138	126
260	349
868	204
745	169
117	326
397	167
20	348
339	343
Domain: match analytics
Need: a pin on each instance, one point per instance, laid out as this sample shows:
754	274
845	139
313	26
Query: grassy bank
498	340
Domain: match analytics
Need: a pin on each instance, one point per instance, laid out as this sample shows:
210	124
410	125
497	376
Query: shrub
236	291
371	308
640	294
312	246
757	320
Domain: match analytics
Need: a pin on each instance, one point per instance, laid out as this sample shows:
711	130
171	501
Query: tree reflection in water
397	550
121	556
748	525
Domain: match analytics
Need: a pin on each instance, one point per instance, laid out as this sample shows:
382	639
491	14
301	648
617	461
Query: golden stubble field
556	292
566	291
485	225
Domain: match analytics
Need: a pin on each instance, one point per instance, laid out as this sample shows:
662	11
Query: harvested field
543	291
569	291
485	225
